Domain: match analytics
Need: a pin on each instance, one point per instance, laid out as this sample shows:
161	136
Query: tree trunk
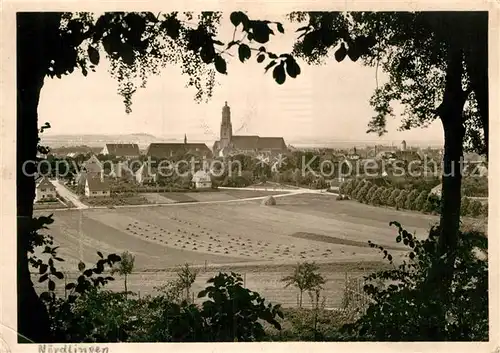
451	114
126	291
32	31
300	299
32	315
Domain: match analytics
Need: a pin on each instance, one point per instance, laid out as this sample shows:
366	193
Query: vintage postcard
270	176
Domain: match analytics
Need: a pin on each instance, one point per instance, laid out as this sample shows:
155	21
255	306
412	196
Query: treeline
365	191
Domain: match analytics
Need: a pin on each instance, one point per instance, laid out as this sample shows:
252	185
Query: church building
230	144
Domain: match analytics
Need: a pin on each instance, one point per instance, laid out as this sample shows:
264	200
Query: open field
244	236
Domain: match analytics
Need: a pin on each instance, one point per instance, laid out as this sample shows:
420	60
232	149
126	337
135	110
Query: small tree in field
187	276
125	267
305	277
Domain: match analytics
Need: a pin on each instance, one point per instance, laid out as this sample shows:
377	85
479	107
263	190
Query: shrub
361	195
464	206
419	203
410	200
401	199
369	194
433	204
474	208
384	197
377	195
347	187
391	201
484	210
356	189
403	295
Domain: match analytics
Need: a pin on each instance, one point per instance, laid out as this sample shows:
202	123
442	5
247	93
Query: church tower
226	128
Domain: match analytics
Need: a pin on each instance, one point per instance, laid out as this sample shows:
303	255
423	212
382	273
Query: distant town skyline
324	102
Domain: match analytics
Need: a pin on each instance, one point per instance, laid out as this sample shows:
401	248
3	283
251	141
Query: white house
45	190
202	180
96	187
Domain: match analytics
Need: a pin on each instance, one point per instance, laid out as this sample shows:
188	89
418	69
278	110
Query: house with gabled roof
125	150
92	166
45	190
233	144
96	187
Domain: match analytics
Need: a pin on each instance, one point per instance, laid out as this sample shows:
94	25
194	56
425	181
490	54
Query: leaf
238	18
52	285
244	52
260	58
340	53
279	74
292	68
398	239
280	27
220	64
272	55
114	258
43	268
88	272
100	254
271	64
43	278
81	266
59	275
93	55
70	286
261	32
412	255
59	259
353	53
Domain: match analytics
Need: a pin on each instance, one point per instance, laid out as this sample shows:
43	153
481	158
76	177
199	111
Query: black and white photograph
257	174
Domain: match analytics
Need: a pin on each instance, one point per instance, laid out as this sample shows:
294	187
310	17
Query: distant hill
97	140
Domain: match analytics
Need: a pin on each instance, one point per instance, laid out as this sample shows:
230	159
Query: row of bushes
115	200
366	192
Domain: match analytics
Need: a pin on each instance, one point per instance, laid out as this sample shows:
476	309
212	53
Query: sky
324	102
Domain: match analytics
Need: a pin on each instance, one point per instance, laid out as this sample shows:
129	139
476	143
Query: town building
121	171
45	190
122	150
233	144
93	167
403	146
202	180
96	187
173	150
